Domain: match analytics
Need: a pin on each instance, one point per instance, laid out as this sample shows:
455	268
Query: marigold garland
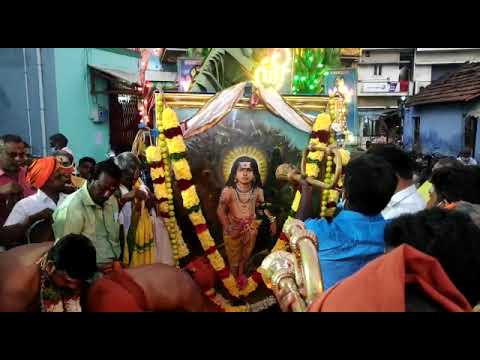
322	135
158	158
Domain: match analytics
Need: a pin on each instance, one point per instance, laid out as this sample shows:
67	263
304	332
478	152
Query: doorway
471	133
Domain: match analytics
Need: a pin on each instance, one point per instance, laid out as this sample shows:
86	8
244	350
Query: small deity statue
240	201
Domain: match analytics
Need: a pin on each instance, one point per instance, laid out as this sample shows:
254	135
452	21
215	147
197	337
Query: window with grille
377	70
124	120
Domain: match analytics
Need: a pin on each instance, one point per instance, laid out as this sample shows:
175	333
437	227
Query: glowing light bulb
272	70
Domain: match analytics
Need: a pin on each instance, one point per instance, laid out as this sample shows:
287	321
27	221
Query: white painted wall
443	56
422	73
380	56
377	102
390	71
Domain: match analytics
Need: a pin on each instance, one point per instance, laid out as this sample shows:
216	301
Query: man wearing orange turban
40	171
49	177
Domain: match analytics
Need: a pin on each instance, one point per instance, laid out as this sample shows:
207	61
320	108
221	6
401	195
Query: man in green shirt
93	211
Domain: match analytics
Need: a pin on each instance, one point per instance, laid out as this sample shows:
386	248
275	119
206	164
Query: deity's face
245	173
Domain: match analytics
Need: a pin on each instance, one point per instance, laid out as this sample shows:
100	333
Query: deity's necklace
244	202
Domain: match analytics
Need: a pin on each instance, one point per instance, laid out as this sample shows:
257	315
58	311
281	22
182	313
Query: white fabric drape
224	102
277	105
214	110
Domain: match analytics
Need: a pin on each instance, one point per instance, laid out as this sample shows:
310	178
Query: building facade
432	63
48	90
384	81
442	118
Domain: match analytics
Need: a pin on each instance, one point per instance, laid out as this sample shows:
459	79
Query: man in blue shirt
355	236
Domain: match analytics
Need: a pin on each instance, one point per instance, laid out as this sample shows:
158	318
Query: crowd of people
392	248
65	229
393	245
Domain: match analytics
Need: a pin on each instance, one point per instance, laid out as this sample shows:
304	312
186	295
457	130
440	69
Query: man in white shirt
49	177
465	157
406	199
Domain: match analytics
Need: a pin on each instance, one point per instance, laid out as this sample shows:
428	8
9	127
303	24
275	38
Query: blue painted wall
13	94
75	102
67	100
441	128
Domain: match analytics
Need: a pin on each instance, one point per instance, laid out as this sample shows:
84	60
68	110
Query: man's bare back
20	277
165	287
155	287
170	289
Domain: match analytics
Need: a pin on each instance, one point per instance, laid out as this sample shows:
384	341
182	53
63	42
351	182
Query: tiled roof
461	85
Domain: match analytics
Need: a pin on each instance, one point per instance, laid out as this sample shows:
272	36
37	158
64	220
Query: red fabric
40	171
116	292
380	285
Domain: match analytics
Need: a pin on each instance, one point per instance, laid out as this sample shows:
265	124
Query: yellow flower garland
176	145
190	197
169	119
181	169
197	218
159	154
